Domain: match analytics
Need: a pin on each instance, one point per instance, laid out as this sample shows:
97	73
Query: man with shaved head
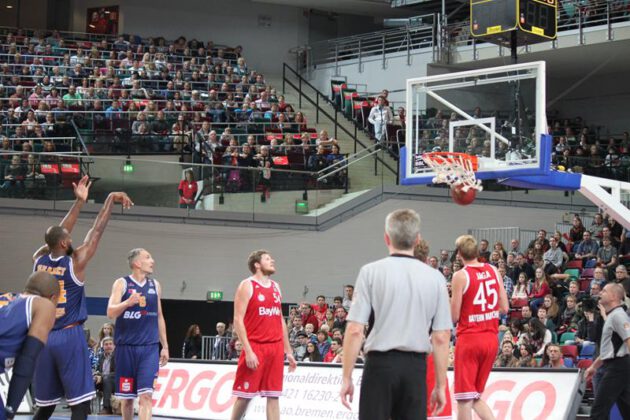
24	326
614	356
63	369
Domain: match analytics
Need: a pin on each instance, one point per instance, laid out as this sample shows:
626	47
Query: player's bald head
42	284
616	290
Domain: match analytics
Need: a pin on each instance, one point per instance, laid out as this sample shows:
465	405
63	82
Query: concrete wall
214	257
33	14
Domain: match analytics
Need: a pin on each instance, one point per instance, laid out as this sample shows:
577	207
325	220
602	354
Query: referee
614	354
402	300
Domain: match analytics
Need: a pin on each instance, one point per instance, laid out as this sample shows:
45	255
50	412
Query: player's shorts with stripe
474	357
136	369
63	369
447	412
266	380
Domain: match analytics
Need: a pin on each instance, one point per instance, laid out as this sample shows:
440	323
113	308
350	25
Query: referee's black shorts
394	386
614	387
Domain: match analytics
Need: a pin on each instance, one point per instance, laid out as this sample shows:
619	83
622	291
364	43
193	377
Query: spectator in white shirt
379	117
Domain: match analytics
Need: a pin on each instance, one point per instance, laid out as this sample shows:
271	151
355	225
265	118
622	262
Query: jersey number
486	292
62	292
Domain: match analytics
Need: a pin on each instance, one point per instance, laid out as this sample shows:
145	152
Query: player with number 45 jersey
478	298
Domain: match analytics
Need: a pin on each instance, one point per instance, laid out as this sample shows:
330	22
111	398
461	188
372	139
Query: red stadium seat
575	264
519	303
570	351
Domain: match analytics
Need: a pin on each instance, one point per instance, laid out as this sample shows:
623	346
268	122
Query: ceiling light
9	6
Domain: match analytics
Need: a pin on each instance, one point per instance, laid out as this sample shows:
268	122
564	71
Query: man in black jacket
104	377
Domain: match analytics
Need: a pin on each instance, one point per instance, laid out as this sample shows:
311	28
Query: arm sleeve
361	307
621	324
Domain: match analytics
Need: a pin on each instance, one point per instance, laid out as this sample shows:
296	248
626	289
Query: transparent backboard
496	114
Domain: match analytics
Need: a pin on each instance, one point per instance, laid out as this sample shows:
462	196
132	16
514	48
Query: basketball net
455	169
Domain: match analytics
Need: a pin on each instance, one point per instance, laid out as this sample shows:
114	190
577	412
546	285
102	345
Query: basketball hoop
455	169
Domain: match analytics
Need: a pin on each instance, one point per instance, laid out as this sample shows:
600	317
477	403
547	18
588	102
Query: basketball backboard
496	114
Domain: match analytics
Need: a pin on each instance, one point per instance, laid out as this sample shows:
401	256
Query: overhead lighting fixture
92	26
9	6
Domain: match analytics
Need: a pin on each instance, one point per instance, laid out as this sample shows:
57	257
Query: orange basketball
463	198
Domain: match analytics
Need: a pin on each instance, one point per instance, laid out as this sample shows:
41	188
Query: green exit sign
214	296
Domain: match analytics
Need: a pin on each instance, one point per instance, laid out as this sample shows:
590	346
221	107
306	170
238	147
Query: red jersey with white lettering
480	301
263	317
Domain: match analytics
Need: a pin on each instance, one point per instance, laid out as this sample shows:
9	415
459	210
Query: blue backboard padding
562	181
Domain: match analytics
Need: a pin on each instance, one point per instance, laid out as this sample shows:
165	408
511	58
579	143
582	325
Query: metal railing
216	348
317	101
376	45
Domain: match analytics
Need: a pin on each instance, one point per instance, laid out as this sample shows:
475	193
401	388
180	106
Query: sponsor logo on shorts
126	384
246	385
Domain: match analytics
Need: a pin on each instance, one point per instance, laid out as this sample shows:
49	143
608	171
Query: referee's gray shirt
616	322
408	298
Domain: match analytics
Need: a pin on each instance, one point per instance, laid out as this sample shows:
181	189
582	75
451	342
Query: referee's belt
614	359
396	352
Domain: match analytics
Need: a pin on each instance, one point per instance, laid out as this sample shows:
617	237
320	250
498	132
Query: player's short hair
42	283
255	257
133	256
54	235
467	247
403	227
421	250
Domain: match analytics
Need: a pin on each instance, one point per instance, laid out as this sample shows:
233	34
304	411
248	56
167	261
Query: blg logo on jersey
134	314
125	384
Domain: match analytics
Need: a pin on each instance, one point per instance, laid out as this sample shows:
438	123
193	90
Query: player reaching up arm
24	327
478	297
66	344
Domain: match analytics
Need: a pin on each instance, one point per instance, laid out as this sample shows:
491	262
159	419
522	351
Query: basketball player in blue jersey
24	326
63	368
135	304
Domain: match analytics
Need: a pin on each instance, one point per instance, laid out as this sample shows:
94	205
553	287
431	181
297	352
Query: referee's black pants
393	386
613	388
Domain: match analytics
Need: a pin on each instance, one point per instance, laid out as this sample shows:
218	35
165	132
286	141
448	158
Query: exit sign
214	296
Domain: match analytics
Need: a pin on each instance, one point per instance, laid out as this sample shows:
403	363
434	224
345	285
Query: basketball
463	198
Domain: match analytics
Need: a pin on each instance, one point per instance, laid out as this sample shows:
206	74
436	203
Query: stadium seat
519	303
573	273
575	264
584	285
567	336
587	352
569	351
588	273
568	363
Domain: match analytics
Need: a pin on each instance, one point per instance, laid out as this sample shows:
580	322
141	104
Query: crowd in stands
553	284
129	96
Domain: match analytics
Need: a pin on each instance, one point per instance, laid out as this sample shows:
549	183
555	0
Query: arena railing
215	347
420	33
317	98
282	191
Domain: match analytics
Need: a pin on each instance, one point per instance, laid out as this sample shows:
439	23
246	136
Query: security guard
614	355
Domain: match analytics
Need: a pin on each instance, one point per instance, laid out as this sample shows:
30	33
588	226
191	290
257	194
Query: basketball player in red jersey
261	328
478	296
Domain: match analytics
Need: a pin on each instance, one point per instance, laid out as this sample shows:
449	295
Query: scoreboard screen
535	20
538	17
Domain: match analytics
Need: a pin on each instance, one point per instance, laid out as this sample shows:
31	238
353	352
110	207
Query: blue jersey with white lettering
15	320
138	324
71	308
